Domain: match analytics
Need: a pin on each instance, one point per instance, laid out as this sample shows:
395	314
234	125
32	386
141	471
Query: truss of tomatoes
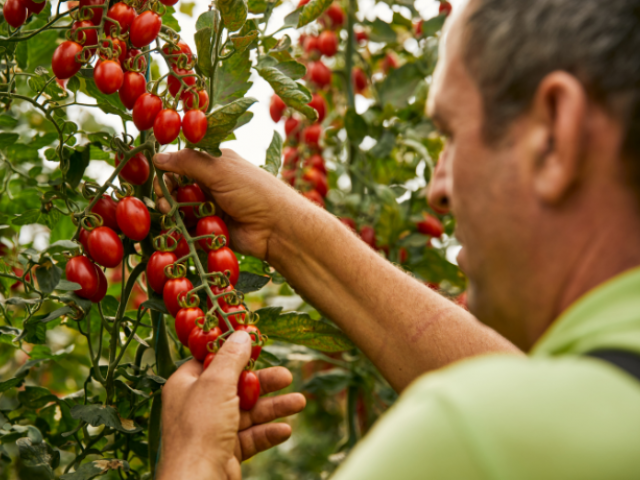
202	332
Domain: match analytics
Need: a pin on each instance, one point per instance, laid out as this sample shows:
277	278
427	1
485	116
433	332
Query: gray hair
511	45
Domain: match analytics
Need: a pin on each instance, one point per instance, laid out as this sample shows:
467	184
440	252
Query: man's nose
437	194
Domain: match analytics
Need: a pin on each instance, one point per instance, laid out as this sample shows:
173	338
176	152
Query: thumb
230	360
193	164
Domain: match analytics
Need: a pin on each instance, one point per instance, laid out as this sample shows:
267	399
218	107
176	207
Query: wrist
191	464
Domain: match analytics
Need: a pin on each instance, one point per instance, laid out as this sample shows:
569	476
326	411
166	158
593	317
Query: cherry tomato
276	108
317	102
136	171
119	48
311	45
145	110
87	34
445	7
223	260
318	181
248	389
155	269
169	2
208	359
237	317
403	255
102	288
316	161
63	63
359	79
311	135
105	247
120	15
315	197
328	43
291	157
430	226
212	225
368	236
166	126
390	62
349	222
319	74
15	13
145	29
221	300
186	322
194	125
106	207
131	63
256	338
133	85
108	76
92	9
189	99
292	128
84	241
302	3
175	51
362	37
82	271
190	194
172	289
336	15
182	248
417	28
199	339
133	218
34	7
174	84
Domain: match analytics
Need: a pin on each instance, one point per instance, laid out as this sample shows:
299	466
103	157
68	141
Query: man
540	104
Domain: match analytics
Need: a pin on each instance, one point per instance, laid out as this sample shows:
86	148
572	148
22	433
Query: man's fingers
273	379
260	438
269	409
169	180
230	360
193	164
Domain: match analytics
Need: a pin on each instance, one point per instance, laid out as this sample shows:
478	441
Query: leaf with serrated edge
274	155
90	470
234	13
312	10
232	79
203	47
96	415
241	43
222	121
293	94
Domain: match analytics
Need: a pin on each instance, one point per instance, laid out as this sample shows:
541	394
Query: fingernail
160	158
240	337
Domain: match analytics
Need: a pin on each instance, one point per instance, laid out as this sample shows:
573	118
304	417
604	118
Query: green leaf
48	275
269	358
96	415
242	42
90	470
107	103
400	85
301	329
222	120
22	55
7	121
274	155
292	69
110	306
257	6
36	397
355	125
293	94
35	331
330	382
73	170
8	139
401	20
233	13
380	31
41	48
385	145
232	79
12	382
203	40
66	285
250	282
207	20
433	267
433	25
62	310
169	20
312	10
38	456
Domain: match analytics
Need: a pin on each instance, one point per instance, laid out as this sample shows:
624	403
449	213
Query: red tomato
84	241
319	74
145	29
15	13
189	99
108	76
119	48
223	260
199	339
34	7
106	207
311	135
349	222
133	218
176	51
328	43
390	62
302	3
63	63
248	389
318	102
315	197
316	161
186	322
359	79
145	110
82	271
172	289
169	2
166	126
336	14
236	317
445	7
430	226
87	34
182	248
102	288
212	225
253	331
292	128
121	17
221	300
133	85
276	108
174	84
136	171
92	7
130	61
368	236
403	255
194	125
105	247
311	45
155	269
190	194
291	157
208	359
361	36
317	179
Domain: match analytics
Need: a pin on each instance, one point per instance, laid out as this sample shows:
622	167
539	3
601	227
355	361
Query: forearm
404	327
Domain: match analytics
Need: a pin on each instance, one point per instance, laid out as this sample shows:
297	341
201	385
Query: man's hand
205	435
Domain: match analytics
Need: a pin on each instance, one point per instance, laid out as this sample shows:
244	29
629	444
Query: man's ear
558	112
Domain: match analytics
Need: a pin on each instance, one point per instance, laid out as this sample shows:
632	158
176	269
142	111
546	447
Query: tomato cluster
202	332
16	11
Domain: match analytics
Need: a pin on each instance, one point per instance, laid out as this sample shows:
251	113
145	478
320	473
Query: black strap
627	361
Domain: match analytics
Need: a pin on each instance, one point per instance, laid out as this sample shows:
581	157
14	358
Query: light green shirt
555	415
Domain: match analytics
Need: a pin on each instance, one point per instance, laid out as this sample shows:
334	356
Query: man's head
540	101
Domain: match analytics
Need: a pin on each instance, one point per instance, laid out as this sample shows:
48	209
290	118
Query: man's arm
404	327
